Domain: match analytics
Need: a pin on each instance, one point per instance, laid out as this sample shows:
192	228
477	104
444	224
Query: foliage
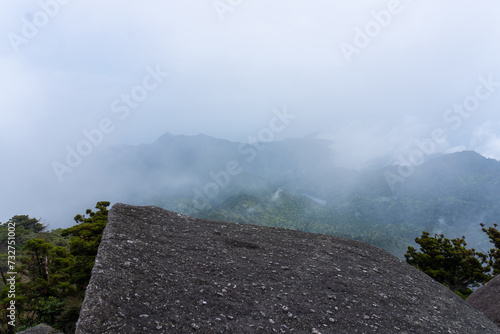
451	263
85	239
53	269
41	289
30	224
494	253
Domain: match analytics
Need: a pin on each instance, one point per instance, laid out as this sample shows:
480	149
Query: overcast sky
373	76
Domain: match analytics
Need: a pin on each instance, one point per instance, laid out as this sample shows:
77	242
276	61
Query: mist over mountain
276	70
333	117
295	183
179	165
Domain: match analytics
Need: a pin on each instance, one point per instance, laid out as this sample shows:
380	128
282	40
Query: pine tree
494	253
449	262
86	237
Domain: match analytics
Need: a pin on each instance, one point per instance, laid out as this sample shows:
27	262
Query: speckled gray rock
161	272
487	299
41	329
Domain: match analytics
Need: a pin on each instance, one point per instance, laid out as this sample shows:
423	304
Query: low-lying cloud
226	76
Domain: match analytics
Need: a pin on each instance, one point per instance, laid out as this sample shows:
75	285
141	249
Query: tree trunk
46	268
3	277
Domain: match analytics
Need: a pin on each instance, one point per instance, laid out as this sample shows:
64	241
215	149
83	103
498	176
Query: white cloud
227	76
455	149
486	140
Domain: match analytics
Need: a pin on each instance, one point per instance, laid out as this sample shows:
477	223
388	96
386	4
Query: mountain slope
209	177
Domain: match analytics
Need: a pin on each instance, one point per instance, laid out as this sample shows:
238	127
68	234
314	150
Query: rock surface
487	299
161	272
41	329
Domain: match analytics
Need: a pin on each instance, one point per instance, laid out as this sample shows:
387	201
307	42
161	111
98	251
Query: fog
379	79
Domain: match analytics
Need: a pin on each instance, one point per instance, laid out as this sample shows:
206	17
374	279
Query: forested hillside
289	210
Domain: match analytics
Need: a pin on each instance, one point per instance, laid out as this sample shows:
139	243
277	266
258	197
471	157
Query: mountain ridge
204	177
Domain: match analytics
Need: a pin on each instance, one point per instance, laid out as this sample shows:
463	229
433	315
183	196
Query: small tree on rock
449	262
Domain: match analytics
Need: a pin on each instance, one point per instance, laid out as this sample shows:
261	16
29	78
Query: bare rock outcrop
41	329
487	299
161	272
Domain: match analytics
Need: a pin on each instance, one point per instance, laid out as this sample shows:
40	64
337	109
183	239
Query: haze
375	77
